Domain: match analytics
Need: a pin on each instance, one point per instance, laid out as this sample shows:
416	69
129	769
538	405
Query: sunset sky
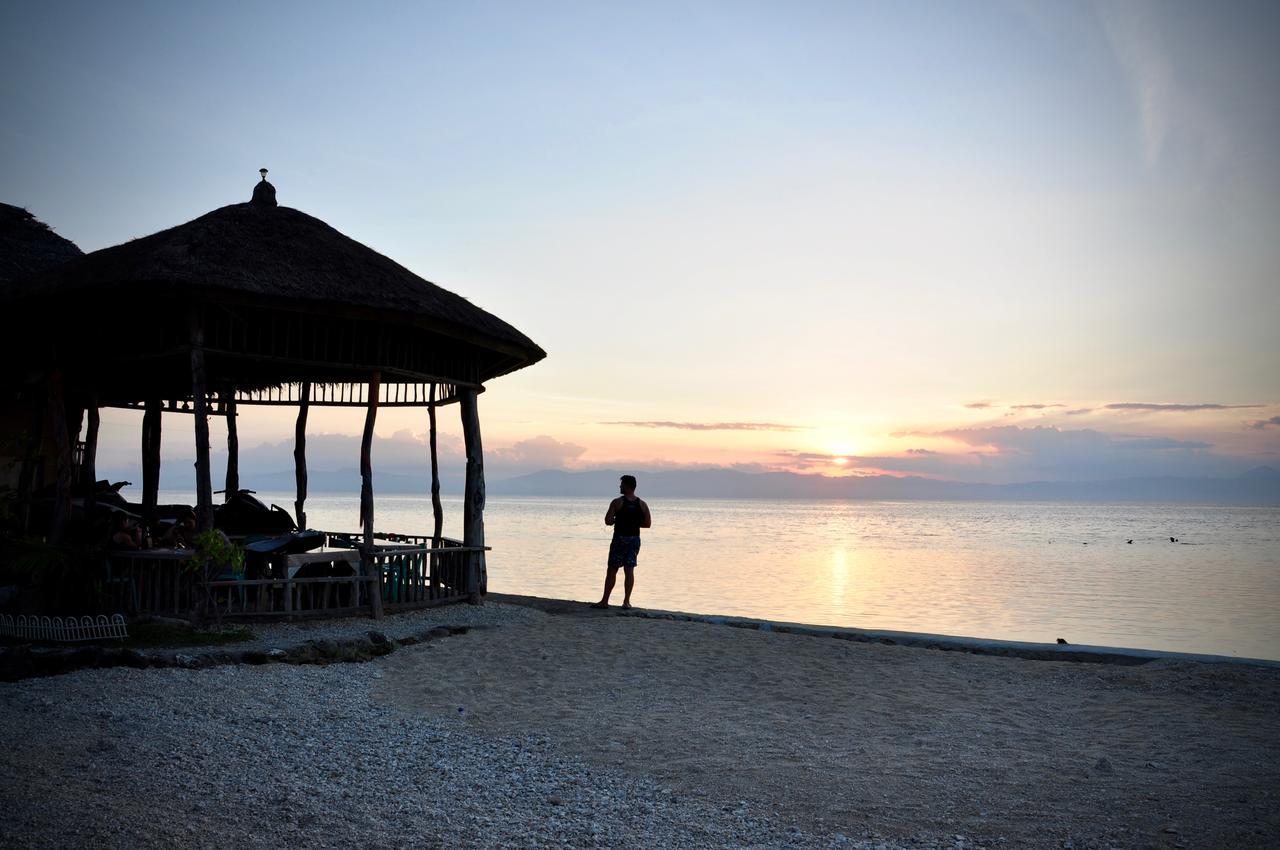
995	241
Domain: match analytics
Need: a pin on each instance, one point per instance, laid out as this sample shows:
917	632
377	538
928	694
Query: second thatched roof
28	246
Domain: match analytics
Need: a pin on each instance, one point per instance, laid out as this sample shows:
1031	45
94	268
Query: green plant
213	554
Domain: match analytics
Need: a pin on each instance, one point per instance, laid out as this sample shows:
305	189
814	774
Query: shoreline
360	639
924	640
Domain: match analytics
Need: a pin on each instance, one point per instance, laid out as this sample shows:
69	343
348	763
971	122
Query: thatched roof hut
272	282
252	303
29	246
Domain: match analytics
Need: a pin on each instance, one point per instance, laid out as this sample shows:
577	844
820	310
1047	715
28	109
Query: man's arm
612	513
647	520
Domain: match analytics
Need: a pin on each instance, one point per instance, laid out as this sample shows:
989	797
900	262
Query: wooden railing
421	576
405	570
149	582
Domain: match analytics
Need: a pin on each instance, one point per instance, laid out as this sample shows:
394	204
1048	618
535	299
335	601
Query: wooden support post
233	445
89	463
366	494
437	510
150	458
473	497
300	454
29	474
75	421
57	413
204	482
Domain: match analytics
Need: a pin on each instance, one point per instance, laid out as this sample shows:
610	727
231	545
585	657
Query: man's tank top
627	521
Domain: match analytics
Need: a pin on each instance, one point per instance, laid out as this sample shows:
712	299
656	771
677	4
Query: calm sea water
1018	571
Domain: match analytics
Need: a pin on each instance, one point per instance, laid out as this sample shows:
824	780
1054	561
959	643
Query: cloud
807	458
1009	453
1036	406
913	462
1168	114
402	453
1176	408
711	426
979	405
1263	424
1013	438
535	453
1079	411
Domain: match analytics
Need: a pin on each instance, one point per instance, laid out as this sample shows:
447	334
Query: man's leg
610	576
628	583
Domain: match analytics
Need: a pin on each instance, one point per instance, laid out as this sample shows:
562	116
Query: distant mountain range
1260	486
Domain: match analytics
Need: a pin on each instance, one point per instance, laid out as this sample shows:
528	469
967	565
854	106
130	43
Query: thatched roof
279	257
28	246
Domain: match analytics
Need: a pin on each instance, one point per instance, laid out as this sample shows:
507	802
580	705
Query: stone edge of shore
1081	653
26	661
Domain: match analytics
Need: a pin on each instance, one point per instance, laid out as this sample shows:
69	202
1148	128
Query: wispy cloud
1079	411
1015	439
1177	408
1005	453
1035	406
1167	112
807	458
979	405
1263	424
711	426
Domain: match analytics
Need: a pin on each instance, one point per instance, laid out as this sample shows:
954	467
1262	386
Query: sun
839	461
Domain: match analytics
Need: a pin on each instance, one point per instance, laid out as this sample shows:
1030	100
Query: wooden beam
233	446
88	466
437	510
204	481
89	463
300	454
151	421
75	421
57	413
366	461
473	497
366	493
32	457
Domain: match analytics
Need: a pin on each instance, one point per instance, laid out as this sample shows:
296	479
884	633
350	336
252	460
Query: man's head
628	484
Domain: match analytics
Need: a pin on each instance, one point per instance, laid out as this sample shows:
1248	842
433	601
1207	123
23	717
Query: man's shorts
623	551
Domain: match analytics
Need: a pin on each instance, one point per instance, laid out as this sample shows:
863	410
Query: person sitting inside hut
182	533
128	534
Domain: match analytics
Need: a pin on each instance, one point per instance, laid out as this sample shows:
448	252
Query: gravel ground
479	741
303	757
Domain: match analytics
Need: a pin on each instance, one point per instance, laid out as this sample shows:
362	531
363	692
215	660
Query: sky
984	241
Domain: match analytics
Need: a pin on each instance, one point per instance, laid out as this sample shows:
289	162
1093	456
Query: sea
1027	571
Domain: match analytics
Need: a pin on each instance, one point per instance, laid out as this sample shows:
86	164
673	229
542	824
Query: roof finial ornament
264	194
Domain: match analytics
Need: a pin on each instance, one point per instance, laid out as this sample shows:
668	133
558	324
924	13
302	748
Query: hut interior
250	304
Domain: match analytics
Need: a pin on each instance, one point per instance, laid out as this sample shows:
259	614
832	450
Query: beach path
865	738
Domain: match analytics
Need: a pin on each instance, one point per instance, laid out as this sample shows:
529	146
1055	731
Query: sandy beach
611	731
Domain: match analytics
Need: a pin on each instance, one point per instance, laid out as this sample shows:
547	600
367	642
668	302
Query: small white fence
68	630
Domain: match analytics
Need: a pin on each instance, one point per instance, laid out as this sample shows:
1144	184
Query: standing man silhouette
627	514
